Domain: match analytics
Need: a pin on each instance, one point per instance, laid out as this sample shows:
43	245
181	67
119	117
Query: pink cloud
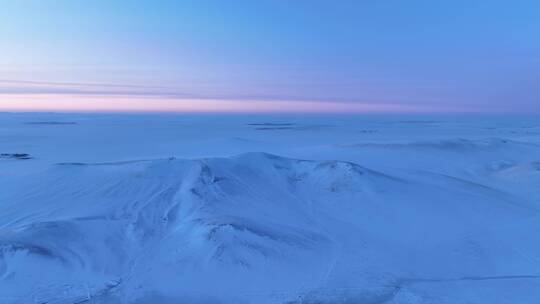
127	103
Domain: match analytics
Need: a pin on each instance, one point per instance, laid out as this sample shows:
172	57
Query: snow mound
254	228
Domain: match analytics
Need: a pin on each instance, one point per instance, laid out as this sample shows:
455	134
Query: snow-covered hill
417	221
254	228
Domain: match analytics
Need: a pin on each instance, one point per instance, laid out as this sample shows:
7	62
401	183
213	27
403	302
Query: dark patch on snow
275	128
20	156
368	131
285	126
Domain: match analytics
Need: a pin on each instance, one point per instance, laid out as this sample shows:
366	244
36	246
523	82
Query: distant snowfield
144	209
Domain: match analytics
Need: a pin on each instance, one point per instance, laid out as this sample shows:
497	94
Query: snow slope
443	219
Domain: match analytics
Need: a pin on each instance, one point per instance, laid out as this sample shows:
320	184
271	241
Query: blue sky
441	56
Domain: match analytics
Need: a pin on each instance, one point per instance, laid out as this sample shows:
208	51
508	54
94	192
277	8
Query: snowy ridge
258	228
449	145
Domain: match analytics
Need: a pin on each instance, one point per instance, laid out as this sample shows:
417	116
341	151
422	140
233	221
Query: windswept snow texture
144	209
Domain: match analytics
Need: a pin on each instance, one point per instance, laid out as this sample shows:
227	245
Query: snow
112	208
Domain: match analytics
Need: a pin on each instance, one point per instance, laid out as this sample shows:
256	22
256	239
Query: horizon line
77	103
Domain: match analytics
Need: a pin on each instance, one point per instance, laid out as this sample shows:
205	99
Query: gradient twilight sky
270	56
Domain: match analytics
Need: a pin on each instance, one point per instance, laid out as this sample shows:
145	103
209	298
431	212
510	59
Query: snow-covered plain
110	208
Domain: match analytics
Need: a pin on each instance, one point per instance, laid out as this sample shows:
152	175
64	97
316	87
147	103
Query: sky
270	56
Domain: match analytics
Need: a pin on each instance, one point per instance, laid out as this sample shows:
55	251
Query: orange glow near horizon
126	103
